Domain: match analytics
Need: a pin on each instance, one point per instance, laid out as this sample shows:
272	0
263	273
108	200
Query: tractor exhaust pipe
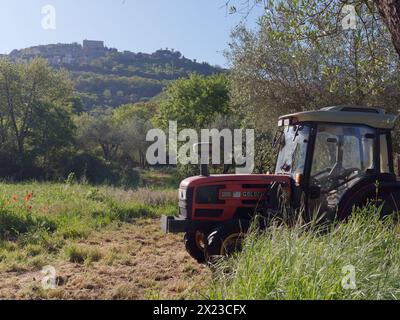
203	151
204	170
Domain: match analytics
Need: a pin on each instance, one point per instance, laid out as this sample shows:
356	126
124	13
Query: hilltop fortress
61	54
77	54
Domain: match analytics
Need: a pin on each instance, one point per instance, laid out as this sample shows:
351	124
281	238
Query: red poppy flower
28	197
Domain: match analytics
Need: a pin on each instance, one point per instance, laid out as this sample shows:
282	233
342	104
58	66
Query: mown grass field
103	243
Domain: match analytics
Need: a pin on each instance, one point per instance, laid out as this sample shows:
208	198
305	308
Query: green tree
387	11
97	130
289	65
52	138
107	94
144	111
134	121
35	104
194	102
300	58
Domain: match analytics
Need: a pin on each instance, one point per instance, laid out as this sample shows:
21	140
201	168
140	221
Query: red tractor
328	161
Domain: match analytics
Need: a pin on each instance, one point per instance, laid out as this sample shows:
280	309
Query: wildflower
28	197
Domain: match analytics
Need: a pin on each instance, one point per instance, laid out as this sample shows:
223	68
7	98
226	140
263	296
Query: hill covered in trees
108	77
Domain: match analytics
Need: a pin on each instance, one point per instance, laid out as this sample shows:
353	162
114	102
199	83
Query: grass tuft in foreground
299	263
81	254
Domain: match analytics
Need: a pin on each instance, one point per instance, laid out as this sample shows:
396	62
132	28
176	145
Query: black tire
226	239
391	205
193	246
390	202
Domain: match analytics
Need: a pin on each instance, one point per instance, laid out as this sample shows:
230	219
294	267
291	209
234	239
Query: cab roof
373	117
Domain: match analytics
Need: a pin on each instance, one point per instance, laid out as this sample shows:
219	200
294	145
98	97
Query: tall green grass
39	219
298	262
72	209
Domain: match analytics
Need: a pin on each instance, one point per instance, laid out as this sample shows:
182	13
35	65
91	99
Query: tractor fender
364	191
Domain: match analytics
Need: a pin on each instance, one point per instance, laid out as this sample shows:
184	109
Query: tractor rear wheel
194	243
391	205
226	239
390	202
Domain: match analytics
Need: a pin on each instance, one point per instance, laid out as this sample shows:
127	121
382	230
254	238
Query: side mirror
314	192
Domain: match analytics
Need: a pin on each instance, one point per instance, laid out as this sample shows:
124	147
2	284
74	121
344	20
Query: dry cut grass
131	261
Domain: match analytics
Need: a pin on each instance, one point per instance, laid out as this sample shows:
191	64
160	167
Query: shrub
97	171
129	212
14	222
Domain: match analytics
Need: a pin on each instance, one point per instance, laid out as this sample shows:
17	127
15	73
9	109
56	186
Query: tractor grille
209	195
209	213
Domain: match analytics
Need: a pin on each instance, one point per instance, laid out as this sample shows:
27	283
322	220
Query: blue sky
200	29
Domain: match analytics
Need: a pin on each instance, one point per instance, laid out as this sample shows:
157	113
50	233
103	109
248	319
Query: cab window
341	153
292	144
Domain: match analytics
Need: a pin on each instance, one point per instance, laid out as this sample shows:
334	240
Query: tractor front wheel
194	243
226	239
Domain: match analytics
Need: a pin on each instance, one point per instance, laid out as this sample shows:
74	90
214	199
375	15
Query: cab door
342	156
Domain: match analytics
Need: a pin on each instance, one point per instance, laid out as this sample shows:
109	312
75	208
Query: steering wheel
329	182
321	172
346	172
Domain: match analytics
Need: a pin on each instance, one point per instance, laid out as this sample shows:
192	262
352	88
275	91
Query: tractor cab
333	150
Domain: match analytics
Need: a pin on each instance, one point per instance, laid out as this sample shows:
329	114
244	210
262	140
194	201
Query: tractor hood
234	178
